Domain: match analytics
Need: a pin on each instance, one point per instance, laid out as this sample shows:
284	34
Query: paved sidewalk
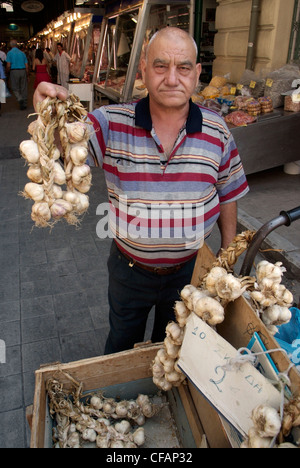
53	300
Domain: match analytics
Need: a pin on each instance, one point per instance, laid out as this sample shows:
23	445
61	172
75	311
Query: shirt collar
143	117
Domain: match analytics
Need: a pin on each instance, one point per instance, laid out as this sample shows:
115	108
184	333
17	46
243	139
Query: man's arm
227	223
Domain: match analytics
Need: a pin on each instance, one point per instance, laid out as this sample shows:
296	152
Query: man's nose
171	77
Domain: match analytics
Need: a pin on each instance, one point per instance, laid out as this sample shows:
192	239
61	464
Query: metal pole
255	11
198	25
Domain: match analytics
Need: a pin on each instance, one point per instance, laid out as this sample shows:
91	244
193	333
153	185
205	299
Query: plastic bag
2	92
279	82
253	84
288	337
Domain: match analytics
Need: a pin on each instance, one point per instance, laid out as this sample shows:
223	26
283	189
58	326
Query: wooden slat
192	414
210	420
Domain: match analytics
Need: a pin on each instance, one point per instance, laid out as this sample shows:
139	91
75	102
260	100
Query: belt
161	271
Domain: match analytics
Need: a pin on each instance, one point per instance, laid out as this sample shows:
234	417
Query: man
62	60
168	165
17	68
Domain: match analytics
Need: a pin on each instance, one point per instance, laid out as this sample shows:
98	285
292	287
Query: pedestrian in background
2	86
41	68
17	68
52	68
62	60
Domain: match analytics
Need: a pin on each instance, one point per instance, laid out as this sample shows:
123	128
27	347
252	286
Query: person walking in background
17	68
41	68
62	60
52	68
2	86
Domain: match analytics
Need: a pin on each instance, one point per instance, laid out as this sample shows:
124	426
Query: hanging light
32	6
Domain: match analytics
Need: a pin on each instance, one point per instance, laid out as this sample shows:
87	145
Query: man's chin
173	100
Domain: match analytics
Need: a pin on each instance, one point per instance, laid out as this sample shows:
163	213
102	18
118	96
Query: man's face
170	72
59	48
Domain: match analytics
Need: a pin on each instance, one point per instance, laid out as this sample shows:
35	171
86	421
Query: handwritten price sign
234	393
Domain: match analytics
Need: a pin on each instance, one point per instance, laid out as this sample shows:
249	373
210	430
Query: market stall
261	114
86	26
270	142
124	33
84	42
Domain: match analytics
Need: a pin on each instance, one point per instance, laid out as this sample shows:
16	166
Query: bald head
175	34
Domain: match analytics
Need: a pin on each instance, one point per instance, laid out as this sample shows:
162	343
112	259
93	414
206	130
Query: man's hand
45	89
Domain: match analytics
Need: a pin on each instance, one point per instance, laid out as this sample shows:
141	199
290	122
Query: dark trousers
132	293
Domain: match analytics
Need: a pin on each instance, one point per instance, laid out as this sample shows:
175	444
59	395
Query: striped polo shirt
161	209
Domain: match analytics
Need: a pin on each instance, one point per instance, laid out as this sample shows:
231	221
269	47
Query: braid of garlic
45	171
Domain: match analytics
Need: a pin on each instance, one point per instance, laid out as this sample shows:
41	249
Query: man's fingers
45	90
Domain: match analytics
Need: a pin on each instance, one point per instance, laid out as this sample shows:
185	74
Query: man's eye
184	69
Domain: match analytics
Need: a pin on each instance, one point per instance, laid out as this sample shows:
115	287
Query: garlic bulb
171	349
78	154
181	313
41	213
34	173
283	296
82	203
266	269
163	384
60	208
186	295
29	150
34	191
256	441
209	310
210	280
228	287
89	434
158	370
121	409
175	333
123	427
73	440
96	402
194	297
71	197
266	421
102	441
76	132
57	191
276	315
81	177
262	299
117	444
139	436
59	174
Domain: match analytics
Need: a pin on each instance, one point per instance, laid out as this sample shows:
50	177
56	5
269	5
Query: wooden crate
123	374
193	414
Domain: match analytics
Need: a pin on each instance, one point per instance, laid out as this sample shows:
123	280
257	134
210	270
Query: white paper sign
234	393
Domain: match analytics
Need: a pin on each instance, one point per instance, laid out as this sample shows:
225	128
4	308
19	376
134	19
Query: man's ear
198	69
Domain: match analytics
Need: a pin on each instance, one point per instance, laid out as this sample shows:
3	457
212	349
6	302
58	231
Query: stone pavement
53	304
